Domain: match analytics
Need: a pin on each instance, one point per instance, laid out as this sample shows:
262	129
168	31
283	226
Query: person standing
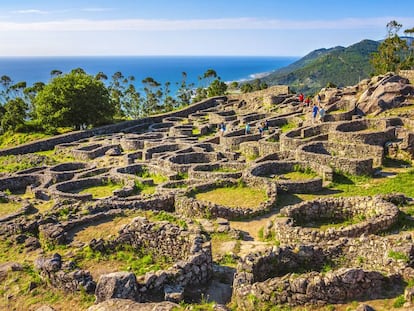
301	97
315	110
322	114
247	129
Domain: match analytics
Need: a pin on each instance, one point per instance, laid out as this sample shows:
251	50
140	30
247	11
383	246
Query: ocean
161	68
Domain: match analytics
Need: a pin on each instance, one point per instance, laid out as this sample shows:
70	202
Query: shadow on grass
396	163
342	179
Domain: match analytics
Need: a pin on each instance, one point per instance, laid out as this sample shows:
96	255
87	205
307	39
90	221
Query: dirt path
252	226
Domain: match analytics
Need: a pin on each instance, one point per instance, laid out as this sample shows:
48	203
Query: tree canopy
393	53
74	100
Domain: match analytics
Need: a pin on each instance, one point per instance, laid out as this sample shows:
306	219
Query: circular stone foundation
329	219
290	176
220	170
188	205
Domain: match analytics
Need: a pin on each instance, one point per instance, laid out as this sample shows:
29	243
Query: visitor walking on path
222	128
322	114
315	110
247	129
307	101
301	97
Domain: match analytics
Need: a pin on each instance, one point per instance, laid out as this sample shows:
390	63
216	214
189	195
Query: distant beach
161	68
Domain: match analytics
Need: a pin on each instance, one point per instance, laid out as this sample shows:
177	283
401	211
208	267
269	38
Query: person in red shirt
301	97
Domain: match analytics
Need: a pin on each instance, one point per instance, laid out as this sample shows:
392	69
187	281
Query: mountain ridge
338	65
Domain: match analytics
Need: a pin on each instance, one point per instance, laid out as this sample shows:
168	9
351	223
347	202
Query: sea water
161	68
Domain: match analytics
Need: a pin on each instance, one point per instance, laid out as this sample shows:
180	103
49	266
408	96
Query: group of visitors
262	126
318	111
222	128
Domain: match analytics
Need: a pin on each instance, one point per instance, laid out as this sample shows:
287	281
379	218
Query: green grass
288	126
8	208
9	139
13	163
347	185
399	301
143	189
125	258
296	175
398	256
237	196
224	170
157	178
328	224
58	158
102	191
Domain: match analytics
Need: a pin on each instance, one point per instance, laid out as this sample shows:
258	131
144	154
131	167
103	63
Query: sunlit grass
9	208
101	191
234	196
14	139
296	175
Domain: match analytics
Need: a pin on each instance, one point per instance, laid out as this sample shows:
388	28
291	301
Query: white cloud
30	11
200	24
97	9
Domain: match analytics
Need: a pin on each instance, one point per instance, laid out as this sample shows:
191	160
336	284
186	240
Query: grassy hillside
338	65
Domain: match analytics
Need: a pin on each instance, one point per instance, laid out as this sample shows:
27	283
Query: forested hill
339	65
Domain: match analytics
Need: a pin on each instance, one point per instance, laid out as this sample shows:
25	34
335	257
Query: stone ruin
186	149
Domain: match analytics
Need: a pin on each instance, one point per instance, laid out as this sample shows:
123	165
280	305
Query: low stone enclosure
371	215
331	250
277	169
271	277
189	206
188	252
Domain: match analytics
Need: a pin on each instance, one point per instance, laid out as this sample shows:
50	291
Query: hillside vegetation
339	66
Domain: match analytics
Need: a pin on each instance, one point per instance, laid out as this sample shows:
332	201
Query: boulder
391	91
125	304
49	265
364	307
116	285
5	268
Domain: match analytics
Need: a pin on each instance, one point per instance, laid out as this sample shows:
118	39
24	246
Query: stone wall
340	286
212	171
187	248
408	74
50	143
271	169
374	215
280	275
232	140
187	205
318	152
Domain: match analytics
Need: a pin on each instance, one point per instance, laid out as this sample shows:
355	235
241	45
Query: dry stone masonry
330	250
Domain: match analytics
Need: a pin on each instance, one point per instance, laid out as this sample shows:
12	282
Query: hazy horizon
192	28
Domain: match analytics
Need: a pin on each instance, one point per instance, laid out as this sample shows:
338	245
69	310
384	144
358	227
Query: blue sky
198	27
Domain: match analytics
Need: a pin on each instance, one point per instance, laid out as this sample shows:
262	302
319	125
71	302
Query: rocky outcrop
126	304
385	92
116	285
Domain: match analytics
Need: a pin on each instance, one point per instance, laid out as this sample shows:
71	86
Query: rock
173	293
21	238
49	265
32	244
409	296
116	285
113	152
364	307
5	268
125	304
45	308
389	92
